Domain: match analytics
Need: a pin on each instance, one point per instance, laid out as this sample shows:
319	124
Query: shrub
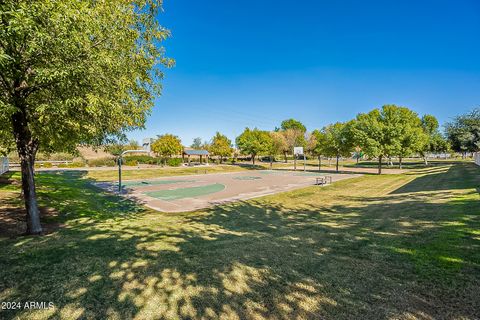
130	162
76	164
174	162
101	162
43	165
143	159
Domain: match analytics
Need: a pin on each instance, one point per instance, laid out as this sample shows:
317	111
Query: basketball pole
120	160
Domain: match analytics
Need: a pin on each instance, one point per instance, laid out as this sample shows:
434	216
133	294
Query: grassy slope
393	246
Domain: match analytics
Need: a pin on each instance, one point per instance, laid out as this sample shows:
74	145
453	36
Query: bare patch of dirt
13	221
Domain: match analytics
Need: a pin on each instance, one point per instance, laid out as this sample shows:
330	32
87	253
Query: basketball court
188	193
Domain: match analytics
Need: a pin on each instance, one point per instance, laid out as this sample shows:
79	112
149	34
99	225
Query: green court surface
247	178
182	193
152	182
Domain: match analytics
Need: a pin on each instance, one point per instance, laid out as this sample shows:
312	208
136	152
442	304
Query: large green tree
431	136
337	141
411	136
463	132
377	133
221	146
278	144
167	145
294	132
293	124
317	143
254	142
73	72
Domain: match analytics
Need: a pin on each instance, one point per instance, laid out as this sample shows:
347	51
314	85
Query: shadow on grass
63	196
459	176
405	165
375	257
250	166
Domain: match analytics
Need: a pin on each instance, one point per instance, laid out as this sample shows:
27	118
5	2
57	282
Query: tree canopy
221	146
75	72
337	141
463	132
279	143
411	134
293	124
167	145
317	142
294	132
433	141
377	132
254	142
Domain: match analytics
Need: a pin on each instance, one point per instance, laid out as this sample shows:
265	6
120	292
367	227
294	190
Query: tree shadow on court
377	257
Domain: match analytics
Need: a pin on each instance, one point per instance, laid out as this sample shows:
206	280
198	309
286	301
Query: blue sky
257	62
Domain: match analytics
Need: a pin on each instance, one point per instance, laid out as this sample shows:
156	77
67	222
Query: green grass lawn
112	175
374	247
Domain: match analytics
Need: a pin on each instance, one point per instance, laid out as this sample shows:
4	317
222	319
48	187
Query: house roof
193	152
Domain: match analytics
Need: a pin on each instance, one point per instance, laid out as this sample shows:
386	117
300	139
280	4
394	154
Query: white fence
476	157
3	165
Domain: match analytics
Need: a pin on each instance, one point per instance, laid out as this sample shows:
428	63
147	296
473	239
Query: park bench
323	180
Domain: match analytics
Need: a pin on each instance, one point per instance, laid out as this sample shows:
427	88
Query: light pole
119	160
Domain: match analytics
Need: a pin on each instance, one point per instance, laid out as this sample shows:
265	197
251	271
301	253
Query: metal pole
120	158
120	174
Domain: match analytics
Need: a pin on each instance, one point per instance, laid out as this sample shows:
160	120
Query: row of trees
253	142
391	131
383	133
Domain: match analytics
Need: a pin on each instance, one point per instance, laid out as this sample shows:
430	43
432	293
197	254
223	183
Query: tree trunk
358	157
285	155
27	149
425	160
380	164
319	163
400	162
336	166
271	162
253	159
